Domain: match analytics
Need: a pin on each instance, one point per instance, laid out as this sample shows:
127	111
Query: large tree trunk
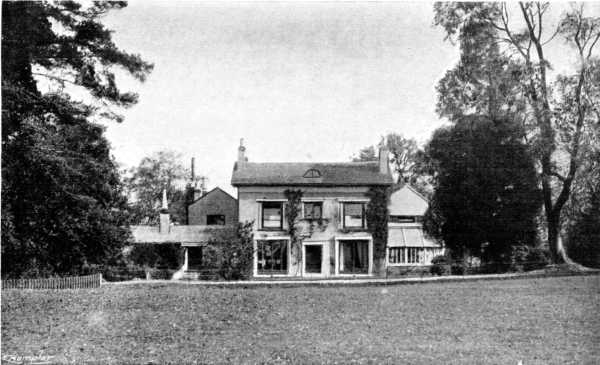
553	239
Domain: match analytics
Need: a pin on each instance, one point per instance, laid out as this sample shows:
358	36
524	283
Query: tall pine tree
63	208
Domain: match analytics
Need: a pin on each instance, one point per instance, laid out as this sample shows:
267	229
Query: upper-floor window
353	215
313	210
215	220
312	173
272	215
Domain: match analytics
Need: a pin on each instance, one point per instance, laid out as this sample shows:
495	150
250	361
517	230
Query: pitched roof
215	190
292	173
407	201
178	234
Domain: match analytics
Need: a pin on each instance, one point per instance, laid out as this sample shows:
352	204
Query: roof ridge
317	163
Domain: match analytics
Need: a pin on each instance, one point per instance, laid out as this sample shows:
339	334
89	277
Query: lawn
537	321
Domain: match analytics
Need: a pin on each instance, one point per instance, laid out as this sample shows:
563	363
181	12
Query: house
195	239
215	207
408	248
332	239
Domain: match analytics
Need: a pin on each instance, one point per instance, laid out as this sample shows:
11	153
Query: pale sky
298	81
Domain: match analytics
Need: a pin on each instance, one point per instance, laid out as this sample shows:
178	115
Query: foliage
377	220
62	203
366	154
504	72
407	160
457	268
164	255
439	265
237	254
161	170
486	196
583	237
292	215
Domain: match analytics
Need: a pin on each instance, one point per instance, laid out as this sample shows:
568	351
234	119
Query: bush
236	263
167	255
439	265
457	269
583	236
123	273
162	273
536	259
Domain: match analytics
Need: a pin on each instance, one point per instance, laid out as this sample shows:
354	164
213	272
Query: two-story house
333	235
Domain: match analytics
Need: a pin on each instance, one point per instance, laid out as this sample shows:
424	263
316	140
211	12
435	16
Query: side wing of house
214	208
408	248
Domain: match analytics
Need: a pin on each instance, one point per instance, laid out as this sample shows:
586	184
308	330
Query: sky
299	82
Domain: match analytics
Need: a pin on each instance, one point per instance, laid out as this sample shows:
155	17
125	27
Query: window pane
353	214
271	215
215	219
313	210
272	257
354	257
395	255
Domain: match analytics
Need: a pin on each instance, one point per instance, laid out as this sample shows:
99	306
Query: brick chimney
163	228
384	161
201	190
242	152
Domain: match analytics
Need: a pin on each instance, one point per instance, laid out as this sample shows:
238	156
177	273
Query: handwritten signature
32	360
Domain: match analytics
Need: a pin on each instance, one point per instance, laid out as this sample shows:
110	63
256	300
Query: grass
537	321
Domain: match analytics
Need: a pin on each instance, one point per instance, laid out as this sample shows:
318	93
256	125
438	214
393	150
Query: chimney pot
384	162
242	152
164	223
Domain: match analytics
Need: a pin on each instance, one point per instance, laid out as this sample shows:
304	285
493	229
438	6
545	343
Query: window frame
262	215
216	215
272	273
370	257
317	202
363	217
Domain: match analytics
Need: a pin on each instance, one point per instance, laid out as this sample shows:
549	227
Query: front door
313	259
194	258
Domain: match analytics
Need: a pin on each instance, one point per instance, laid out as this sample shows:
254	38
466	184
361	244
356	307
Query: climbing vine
292	214
377	219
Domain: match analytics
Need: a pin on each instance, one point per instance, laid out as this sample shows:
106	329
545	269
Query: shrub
439	265
168	255
537	258
457	269
583	235
236	263
123	273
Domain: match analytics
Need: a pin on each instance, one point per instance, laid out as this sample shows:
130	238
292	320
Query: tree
63	207
583	211
407	159
161	170
486	197
505	70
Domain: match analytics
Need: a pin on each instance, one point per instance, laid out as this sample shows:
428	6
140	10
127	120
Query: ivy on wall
292	214
377	219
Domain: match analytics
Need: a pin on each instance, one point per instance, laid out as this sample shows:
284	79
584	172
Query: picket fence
71	282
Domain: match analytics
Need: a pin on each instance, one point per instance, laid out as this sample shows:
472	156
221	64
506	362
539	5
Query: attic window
312	173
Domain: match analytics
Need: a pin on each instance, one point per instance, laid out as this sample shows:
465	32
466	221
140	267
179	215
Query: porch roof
179	234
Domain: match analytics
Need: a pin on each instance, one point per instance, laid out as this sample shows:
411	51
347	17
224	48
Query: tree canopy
406	158
504	71
486	197
161	170
63	207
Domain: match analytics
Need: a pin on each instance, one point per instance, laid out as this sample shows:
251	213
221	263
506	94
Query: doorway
313	258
